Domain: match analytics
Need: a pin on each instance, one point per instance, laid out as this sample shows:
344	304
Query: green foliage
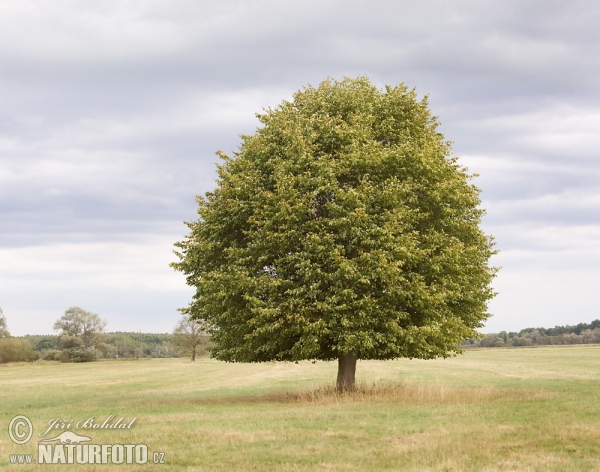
190	337
46	344
42	342
118	344
342	225
78	355
3	327
129	345
79	329
16	350
81	333
582	333
52	355
558	330
71	342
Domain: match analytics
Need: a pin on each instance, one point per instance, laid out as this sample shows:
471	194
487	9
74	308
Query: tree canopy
16	350
342	229
190	337
80	329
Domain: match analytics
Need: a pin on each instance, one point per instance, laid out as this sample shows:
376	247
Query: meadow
525	409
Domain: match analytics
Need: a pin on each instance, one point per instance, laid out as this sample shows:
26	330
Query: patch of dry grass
404	392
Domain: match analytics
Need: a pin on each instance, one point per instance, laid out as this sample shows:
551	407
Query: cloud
548	276
112	112
125	282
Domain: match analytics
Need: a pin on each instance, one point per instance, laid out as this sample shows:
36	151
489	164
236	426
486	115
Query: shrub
16	350
64	356
52	355
80	355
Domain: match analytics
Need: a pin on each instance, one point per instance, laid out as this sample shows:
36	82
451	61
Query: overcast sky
111	113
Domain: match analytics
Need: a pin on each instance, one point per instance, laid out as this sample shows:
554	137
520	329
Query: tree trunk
194	355
346	372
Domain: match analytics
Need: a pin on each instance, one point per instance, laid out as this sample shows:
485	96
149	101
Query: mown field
532	409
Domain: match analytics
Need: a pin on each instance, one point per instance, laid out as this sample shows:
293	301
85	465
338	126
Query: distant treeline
583	333
116	345
126	345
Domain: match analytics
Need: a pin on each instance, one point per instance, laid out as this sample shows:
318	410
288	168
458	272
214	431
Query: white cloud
112	112
531	297
548	276
107	266
68	30
128	283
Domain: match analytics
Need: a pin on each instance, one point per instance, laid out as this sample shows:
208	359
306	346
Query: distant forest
583	333
124	345
119	345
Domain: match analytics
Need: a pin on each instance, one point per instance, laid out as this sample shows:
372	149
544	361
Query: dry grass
525	410
403	392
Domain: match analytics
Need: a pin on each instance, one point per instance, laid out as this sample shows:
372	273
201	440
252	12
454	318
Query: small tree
190	337
342	229
3	327
80	330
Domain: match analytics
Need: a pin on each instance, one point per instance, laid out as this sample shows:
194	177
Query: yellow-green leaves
342	225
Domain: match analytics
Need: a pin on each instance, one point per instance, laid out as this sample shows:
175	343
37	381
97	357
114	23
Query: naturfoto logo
68	447
76	453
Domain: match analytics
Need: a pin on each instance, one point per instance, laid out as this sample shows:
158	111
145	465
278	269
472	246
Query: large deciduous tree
80	329
342	229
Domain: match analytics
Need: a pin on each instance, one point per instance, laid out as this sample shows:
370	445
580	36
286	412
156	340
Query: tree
13	349
16	350
80	330
45	344
3	328
190	337
342	229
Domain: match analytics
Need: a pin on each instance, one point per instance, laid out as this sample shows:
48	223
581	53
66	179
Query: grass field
497	409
